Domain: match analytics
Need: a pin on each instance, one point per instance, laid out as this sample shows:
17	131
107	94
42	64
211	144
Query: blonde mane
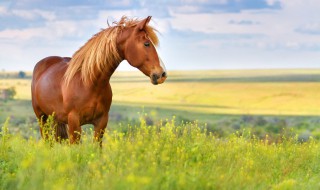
100	54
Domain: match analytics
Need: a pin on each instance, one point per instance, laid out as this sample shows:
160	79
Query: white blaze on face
160	60
162	64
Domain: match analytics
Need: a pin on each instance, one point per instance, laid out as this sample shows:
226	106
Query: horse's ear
142	24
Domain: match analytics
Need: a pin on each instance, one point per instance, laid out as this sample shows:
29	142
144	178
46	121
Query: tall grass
164	156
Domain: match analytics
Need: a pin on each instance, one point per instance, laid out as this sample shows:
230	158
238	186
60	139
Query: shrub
8	93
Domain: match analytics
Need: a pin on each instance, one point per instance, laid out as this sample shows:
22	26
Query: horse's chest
95	110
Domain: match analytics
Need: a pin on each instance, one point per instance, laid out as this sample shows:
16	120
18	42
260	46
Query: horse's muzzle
158	79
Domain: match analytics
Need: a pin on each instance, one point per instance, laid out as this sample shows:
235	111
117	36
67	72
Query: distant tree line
20	74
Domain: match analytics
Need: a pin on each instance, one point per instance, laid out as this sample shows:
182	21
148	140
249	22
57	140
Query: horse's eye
147	44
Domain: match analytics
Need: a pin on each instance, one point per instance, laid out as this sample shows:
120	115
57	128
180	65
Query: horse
77	90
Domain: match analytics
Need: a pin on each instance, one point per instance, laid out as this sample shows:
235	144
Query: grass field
255	129
206	96
271	92
168	156
267	92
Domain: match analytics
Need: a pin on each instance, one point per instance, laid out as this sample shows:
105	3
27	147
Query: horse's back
46	63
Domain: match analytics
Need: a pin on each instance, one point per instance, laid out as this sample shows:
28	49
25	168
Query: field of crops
253	129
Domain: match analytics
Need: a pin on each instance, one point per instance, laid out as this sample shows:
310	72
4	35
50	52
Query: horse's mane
100	52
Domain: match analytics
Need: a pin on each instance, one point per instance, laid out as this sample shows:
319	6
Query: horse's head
138	48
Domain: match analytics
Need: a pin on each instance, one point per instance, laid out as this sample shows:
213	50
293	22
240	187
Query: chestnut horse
77	90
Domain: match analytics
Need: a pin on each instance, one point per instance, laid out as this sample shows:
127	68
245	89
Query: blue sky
195	34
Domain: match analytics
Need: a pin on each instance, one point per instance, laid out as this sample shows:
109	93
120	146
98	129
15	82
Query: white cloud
3	10
111	15
120	3
272	2
51	32
194	22
20	35
29	15
29	45
204	1
310	28
266	32
33	14
53	29
277	28
48	15
186	9
161	24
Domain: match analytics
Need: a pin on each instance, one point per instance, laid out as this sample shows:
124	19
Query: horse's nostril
154	79
164	74
154	76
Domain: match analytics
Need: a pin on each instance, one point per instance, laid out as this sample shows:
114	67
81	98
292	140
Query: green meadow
223	100
163	156
231	129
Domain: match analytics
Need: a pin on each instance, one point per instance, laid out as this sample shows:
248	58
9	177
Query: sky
194	34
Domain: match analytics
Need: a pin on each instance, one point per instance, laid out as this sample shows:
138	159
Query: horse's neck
111	68
107	74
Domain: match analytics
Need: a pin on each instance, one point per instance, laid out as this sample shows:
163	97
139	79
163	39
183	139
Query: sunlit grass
213	92
163	156
172	155
254	92
22	87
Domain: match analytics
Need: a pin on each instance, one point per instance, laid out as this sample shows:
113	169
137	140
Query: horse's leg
61	132
74	128
99	128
